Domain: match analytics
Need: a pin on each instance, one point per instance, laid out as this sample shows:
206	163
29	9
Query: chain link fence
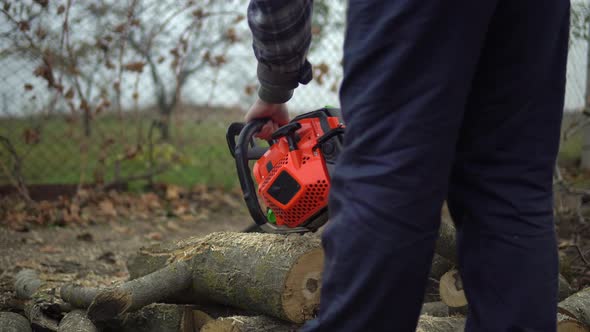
141	91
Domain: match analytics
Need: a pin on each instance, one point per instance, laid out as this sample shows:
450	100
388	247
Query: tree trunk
577	306
76	321
249	324
12	322
440	324
275	275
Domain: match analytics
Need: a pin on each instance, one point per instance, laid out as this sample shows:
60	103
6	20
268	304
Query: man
456	100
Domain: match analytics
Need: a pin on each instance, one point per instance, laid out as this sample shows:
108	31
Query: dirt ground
89	241
93	254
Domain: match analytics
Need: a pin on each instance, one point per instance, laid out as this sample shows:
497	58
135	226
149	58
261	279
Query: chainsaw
292	169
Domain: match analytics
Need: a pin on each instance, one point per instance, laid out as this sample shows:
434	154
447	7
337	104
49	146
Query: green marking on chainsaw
270	215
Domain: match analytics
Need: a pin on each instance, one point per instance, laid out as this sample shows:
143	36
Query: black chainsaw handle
242	156
234	130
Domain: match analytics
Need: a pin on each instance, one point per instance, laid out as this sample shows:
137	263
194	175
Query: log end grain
301	296
451	289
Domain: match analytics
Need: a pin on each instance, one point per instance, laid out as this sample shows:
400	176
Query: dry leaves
134	66
49	249
166	202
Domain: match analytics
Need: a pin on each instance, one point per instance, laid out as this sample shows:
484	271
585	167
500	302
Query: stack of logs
236	282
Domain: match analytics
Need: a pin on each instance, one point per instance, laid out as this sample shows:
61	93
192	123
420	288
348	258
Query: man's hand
277	113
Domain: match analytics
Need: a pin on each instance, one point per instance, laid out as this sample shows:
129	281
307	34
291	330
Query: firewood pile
230	281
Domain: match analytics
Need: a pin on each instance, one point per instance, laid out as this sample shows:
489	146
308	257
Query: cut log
440	324
111	303
435	309
577	306
40	305
568	324
76	321
446	245
271	274
26	283
37	317
78	296
249	324
440	266
565	290
13	322
159	317
451	289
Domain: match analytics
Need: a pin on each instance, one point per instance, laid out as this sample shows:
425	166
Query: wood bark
568	324
160	317
565	290
577	306
76	321
440	265
249	324
440	324
446	245
275	275
40	304
13	322
435	309
78	296
38	319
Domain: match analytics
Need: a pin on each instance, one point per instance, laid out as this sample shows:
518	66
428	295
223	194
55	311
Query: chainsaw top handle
244	150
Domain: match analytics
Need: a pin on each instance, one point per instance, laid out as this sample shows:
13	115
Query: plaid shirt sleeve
281	31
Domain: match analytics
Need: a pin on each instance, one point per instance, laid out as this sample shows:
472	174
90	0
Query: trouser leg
408	66
501	187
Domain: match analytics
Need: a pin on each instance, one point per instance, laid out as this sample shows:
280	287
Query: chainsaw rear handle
244	150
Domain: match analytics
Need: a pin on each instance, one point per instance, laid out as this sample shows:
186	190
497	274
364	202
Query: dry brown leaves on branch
166	202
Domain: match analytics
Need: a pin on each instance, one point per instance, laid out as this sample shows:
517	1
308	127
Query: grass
571	150
197	148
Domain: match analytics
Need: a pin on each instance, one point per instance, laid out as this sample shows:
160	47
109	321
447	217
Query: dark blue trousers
447	100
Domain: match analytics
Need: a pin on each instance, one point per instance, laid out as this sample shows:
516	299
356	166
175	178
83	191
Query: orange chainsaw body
295	184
